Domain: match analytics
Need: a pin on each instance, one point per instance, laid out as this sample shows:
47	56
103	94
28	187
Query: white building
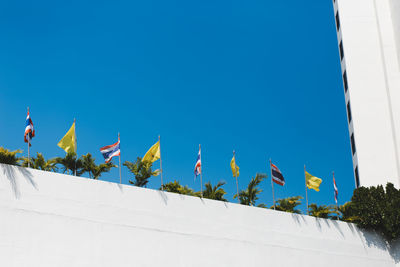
368	34
49	219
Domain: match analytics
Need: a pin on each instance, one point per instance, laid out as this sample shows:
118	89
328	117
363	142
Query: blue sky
259	77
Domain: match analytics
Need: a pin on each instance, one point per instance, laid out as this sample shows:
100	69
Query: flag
153	154
313	182
277	176
234	167
29	130
335	189
68	142
197	166
110	151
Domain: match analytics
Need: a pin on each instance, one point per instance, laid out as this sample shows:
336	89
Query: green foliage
213	192
250	195
322	211
70	163
94	170
40	163
9	157
289	204
141	170
375	208
176	187
347	213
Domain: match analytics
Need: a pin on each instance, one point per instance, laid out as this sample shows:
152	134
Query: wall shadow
10	172
163	196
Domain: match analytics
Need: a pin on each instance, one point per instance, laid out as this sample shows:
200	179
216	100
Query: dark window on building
346	86
341	50
337	21
348	111
357	177
353	144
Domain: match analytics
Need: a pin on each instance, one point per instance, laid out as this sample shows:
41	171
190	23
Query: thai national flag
197	167
335	189
110	151
277	176
29	130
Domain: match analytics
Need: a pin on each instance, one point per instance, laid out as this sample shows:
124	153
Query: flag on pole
110	151
153	154
197	166
68	142
335	189
234	167
313	182
29	130
277	176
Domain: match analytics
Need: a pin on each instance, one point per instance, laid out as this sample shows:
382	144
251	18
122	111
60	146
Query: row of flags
68	144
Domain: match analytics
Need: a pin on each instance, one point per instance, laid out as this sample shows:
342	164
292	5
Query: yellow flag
313	182
234	167
153	154
68	142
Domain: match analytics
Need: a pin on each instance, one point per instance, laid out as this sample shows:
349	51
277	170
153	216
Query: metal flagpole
305	179
76	147
201	173
162	185
272	183
237	184
120	177
29	143
334	183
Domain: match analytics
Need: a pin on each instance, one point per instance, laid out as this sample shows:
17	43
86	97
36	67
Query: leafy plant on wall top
9	157
142	171
40	163
289	204
250	195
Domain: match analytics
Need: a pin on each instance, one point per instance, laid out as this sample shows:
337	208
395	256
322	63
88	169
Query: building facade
368	33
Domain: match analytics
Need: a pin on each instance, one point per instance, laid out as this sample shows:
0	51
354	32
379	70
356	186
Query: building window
353	144
341	50
346	86
357	177
337	21
348	112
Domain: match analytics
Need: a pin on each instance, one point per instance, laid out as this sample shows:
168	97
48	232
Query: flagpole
334	183
272	183
76	147
162	185
201	174
237	184
120	177
305	179
29	143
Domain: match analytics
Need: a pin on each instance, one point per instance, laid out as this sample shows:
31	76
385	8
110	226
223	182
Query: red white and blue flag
110	151
335	189
277	176
197	167
29	130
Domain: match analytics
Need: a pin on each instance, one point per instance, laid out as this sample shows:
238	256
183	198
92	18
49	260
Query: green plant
213	192
250	195
71	164
141	170
40	163
9	157
288	204
176	187
375	208
322	211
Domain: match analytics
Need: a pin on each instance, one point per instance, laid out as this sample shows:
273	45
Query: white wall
49	219
373	73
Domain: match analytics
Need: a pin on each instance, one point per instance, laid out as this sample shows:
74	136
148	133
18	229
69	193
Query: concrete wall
49	219
369	29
